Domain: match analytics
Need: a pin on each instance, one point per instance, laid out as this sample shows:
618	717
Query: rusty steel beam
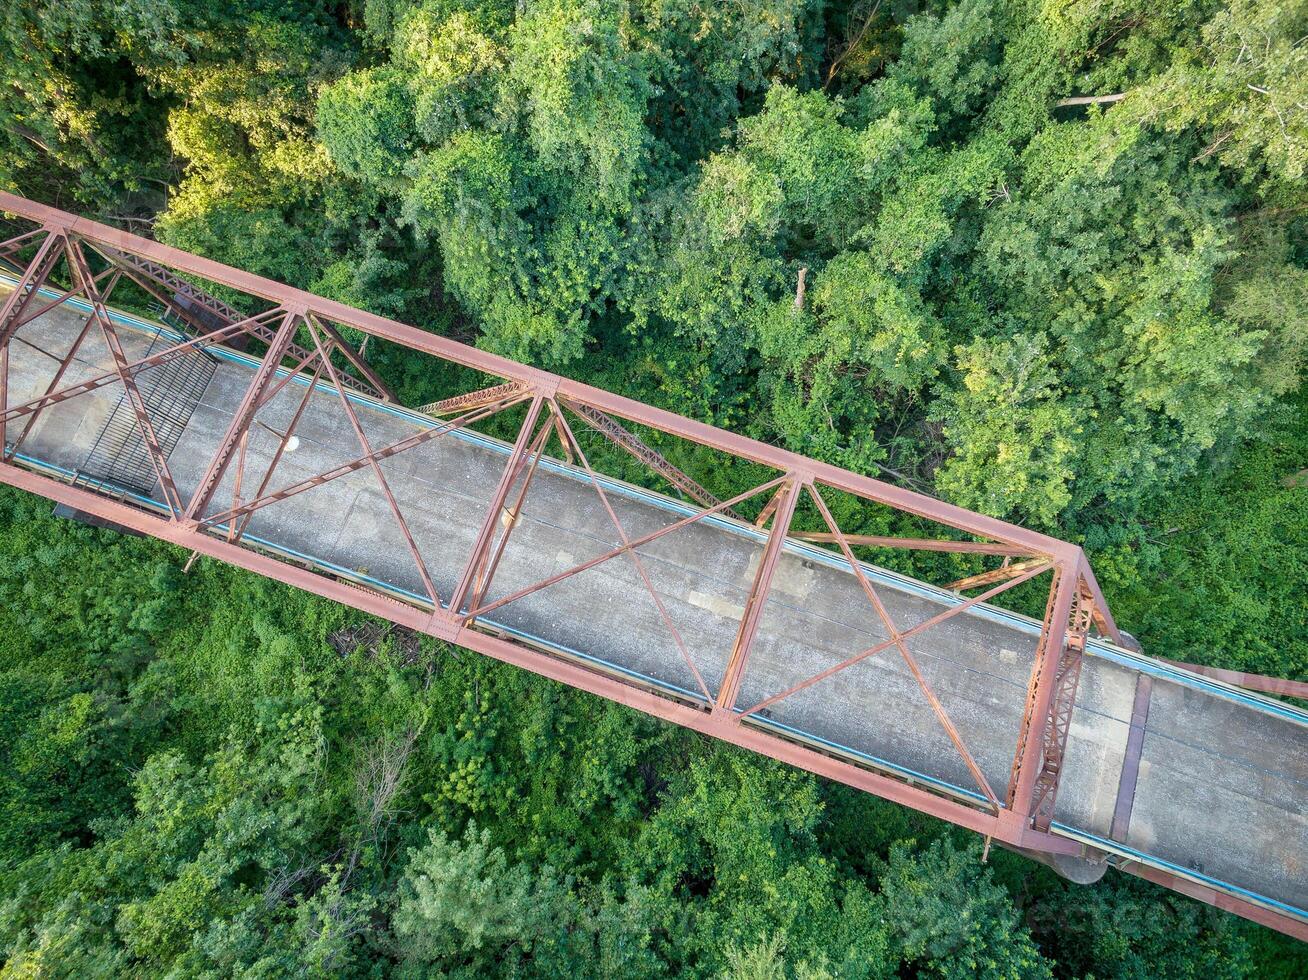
383	391
918	544
1126	783
884	615
112	377
472	399
236	528
353	465
1250	682
512	468
509	517
1037	665
575	392
614	552
1040	696
243	416
634	555
168	279
734	673
1059	721
563	440
82	273
165	286
995	575
29	285
619	436
770	508
1103	616
908	634
62	369
236	483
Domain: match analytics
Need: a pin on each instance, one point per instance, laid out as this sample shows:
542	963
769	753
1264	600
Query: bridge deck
1222	777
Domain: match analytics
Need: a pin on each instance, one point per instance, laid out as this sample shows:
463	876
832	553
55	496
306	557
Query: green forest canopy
1090	318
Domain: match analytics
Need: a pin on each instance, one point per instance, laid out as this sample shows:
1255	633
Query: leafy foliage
877	234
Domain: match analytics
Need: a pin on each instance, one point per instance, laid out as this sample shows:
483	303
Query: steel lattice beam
167	287
473	399
758	594
1059	721
618	435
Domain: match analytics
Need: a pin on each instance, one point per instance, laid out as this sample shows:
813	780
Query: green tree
1244	86
251	194
76	112
950	920
1013	431
461	905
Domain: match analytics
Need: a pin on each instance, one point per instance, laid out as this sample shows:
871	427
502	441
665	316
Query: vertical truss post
242	418
63	366
82	275
360	365
557	421
236	483
769	508
1059	721
487	531
758	593
1102	616
486	574
29	285
1039	699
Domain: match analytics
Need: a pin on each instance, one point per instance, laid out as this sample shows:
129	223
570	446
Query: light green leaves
366	123
1013	431
1246	89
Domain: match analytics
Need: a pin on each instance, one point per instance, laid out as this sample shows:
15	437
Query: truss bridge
739	590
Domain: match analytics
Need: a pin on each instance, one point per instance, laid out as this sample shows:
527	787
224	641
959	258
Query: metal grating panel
170	392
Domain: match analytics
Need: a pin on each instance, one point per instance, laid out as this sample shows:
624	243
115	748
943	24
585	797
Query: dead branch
1091	99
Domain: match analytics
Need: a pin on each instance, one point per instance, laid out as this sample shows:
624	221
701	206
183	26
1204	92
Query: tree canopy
1047	260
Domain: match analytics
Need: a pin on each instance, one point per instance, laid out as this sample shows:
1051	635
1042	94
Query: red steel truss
1017	815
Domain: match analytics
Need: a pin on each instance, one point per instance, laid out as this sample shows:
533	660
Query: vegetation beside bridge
1087	316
